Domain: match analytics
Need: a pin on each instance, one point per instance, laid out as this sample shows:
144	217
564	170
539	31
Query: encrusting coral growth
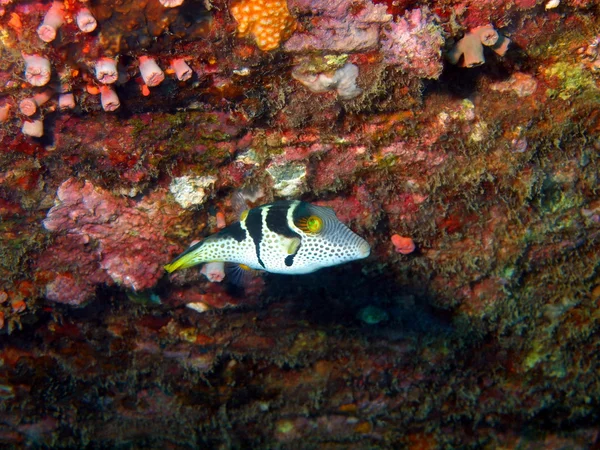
106	239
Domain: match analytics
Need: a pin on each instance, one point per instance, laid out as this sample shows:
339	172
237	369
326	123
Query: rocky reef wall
461	139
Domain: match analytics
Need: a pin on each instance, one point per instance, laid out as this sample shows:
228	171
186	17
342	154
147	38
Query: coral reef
130	129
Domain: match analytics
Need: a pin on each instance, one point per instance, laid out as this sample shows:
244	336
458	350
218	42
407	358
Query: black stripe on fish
289	259
254	226
277	220
234	231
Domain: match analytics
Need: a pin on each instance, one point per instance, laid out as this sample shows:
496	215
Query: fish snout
364	249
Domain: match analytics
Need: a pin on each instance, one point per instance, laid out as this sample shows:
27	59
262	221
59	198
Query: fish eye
311	224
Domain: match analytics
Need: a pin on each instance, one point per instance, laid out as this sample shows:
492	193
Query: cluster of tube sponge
38	69
55	17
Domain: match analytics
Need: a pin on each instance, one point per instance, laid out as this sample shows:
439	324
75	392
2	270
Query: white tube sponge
4	112
66	101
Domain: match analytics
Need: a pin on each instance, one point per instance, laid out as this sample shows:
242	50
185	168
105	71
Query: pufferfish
285	237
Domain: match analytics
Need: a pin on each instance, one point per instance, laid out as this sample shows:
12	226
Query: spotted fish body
287	237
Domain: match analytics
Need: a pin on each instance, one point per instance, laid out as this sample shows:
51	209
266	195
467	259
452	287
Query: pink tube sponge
109	99
182	71
151	73
86	22
28	106
106	70
33	128
4	112
37	70
171	3
66	101
53	20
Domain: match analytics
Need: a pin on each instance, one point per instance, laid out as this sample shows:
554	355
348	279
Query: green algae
574	79
372	315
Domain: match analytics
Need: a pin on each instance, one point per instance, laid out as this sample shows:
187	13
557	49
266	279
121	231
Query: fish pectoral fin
291	245
239	274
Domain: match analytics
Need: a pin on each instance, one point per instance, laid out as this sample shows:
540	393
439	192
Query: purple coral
414	44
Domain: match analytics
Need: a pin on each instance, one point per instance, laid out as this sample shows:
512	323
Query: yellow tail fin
186	259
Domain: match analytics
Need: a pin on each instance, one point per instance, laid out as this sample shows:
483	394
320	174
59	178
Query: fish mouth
364	249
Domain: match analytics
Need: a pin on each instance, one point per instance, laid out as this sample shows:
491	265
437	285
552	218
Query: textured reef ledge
461	139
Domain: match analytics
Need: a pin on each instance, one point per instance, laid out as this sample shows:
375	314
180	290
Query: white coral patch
191	191
289	180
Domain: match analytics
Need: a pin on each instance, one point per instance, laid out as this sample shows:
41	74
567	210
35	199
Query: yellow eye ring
310	224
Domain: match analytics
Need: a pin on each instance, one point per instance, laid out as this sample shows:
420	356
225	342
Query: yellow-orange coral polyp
269	21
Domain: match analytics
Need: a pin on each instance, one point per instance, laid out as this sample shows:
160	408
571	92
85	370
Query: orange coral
269	21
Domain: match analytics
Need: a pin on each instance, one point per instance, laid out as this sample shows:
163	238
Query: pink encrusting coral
334	27
106	239
414	43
